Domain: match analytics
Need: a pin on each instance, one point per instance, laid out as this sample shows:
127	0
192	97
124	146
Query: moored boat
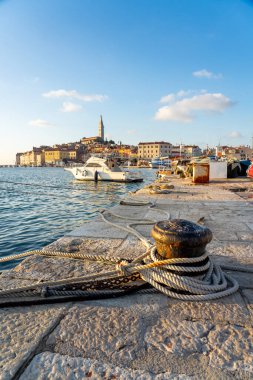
102	169
160	161
164	172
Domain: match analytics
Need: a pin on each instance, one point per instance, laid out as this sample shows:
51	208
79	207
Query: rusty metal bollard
180	238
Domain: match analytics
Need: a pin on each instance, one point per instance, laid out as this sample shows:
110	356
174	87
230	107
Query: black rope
11	302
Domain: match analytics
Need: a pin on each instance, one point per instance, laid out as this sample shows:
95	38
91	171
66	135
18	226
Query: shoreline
147	336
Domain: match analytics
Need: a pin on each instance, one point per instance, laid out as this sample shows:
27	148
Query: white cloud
206	74
70	107
75	95
235	134
172	96
40	123
184	110
167	98
182	93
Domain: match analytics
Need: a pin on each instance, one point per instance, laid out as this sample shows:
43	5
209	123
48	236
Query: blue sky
173	70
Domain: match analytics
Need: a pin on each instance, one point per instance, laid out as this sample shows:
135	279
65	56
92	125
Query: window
93	165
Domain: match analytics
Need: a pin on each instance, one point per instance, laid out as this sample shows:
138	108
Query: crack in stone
40	346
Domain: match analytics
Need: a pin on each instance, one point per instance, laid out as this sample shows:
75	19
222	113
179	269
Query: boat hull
83	174
111	180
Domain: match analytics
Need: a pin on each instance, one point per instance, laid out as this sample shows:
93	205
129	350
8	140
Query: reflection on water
39	205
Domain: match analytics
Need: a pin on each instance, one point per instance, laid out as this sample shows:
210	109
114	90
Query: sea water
40	205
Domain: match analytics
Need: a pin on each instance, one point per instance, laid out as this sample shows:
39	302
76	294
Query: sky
172	70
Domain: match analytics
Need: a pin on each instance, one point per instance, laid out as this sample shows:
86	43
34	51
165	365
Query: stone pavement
138	336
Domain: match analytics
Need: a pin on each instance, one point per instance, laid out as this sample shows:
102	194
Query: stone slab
231	348
145	231
143	304
245	236
225	346
157	214
8	281
22	330
41	268
130	211
115	335
102	333
55	367
231	309
88	246
98	230
233	249
130	249
223	235
181	338
238	261
250	225
231	226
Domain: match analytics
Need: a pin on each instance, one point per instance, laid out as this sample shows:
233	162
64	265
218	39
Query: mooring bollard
180	238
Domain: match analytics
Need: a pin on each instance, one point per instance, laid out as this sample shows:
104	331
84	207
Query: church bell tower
101	128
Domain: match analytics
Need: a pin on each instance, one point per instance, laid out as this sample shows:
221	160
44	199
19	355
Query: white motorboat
101	169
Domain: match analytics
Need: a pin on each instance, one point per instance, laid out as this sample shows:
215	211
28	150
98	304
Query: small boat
102	169
164	172
160	161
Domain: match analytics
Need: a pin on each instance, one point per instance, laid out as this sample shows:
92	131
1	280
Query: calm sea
39	205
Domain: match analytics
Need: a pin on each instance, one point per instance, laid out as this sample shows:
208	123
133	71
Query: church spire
101	128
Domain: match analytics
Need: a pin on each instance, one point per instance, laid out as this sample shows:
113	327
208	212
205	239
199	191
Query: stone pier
147	336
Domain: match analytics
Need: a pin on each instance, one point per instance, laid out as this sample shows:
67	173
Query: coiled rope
149	268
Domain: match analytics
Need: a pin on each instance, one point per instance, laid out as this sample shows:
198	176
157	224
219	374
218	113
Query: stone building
186	151
57	155
34	157
90	140
95	139
18	156
149	150
240	153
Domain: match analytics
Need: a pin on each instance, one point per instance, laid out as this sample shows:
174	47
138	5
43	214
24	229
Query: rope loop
123	267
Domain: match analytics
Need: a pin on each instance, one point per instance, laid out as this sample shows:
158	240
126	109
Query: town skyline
79	151
176	71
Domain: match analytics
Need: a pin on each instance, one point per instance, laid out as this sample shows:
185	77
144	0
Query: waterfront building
192	150
18	156
149	150
35	157
40	158
239	153
55	155
186	151
124	151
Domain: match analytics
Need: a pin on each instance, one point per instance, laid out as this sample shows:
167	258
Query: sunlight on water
39	205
